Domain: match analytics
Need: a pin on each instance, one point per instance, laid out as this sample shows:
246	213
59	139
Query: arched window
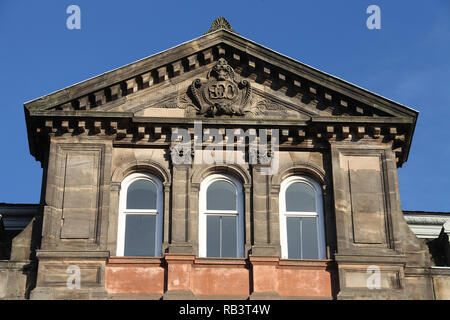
301	219
140	216
221	221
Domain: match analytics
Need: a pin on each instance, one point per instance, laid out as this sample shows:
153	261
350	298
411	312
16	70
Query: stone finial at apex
220	23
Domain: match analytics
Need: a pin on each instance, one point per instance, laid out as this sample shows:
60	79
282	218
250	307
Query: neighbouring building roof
15	217
427	224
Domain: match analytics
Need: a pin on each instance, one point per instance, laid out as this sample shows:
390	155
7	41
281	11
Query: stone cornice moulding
138	128
126	130
76	255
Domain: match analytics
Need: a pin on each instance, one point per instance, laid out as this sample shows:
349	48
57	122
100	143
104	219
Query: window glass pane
293	228
221	195
213	236
300	197
309	238
229	237
140	235
141	195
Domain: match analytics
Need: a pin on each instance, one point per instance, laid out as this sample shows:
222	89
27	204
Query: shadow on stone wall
439	249
18	252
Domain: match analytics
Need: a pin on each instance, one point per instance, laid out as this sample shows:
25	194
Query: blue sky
407	60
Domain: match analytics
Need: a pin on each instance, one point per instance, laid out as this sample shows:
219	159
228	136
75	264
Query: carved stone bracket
182	153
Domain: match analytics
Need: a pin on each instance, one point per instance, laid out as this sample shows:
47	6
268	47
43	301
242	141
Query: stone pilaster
265	240
113	217
179	228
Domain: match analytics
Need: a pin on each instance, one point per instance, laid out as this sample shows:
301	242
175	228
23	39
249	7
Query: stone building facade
219	169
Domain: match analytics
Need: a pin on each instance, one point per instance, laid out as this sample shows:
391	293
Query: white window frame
123	212
203	212
285	214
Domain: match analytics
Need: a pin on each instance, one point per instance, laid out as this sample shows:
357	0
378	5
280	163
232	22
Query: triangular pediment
277	82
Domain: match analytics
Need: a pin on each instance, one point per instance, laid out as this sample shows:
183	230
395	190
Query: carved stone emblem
221	93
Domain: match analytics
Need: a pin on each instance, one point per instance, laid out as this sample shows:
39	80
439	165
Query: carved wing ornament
221	93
